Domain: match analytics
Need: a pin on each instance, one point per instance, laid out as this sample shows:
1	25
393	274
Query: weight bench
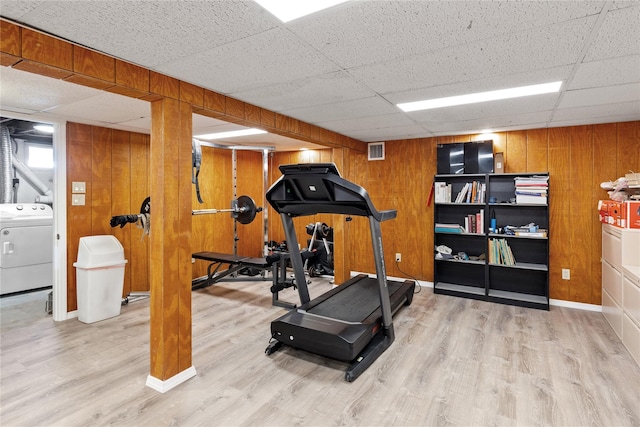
238	262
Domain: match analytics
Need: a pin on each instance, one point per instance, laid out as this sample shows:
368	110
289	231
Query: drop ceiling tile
586	114
109	107
151	32
368	32
17	9
600	96
374	106
558	45
17	91
614	71
306	92
390	133
619	35
270	58
496	124
367	123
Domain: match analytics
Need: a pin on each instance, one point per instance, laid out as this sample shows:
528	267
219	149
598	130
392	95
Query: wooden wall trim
36	52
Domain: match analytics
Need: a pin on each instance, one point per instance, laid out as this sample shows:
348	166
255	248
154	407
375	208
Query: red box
632	212
603	211
615	208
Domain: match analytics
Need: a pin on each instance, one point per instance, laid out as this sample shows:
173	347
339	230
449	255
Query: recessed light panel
472	98
231	134
288	10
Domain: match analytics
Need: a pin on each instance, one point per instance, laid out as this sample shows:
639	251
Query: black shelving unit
525	283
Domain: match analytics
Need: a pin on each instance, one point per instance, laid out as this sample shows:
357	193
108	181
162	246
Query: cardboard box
498	163
632	212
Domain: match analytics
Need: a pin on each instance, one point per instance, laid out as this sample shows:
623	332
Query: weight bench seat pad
231	259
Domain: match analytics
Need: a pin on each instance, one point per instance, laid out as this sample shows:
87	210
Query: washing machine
26	247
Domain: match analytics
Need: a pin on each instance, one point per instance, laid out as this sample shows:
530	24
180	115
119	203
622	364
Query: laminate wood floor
455	362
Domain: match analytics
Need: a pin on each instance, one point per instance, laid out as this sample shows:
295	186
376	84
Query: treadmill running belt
355	303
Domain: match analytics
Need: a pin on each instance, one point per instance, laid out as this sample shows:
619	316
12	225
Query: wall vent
376	151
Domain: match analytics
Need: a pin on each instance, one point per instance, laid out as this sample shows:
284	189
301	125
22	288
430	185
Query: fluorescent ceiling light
44	128
473	98
288	10
232	134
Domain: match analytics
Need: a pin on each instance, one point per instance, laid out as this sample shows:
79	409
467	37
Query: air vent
376	151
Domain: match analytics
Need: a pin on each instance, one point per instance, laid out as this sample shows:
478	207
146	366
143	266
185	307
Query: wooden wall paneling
604	169
131	80
78	217
537	150
170	238
406	189
94	64
582	213
10	36
250	183
101	180
139	148
47	50
164	86
191	94
628	147
560	193
429	154
121	199
516	152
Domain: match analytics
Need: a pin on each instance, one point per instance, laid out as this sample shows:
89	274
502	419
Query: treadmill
352	322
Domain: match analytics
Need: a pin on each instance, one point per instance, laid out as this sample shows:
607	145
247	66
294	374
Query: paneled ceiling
345	68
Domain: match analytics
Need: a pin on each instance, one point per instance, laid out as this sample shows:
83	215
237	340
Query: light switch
79	187
77	200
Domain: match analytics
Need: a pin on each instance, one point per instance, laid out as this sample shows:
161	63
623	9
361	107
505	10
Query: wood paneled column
170	244
341	264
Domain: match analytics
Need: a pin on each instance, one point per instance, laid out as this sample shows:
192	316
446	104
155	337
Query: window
39	156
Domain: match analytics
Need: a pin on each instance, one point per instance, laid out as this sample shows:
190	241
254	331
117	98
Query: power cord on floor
419	287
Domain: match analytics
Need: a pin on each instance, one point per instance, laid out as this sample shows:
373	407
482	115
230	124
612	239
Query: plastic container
99	278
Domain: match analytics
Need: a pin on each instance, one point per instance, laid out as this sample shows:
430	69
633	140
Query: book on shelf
442	192
449	228
500	252
540	233
474	223
530	199
525	181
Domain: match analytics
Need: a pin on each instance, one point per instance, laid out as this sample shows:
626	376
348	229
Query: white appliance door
23	246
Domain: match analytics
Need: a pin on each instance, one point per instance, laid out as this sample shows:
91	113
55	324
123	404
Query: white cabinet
621	284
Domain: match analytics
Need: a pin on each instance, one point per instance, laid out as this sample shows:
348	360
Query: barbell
243	210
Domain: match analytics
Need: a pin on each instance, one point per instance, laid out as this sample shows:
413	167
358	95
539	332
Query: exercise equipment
321	243
243	210
141	219
352	322
235	263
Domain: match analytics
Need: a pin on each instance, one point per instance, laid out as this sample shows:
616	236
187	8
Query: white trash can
99	278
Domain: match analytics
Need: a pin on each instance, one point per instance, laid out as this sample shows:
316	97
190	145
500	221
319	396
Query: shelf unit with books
521	276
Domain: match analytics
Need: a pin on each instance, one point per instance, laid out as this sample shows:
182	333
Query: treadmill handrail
308	189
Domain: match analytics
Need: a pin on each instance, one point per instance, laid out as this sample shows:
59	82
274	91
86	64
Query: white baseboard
576	305
554	302
72	314
164	386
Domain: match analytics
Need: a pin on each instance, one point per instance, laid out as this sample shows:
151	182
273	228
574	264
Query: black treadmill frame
308	189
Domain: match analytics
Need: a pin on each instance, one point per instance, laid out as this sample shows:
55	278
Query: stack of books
442	192
500	252
532	189
474	223
472	192
449	228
